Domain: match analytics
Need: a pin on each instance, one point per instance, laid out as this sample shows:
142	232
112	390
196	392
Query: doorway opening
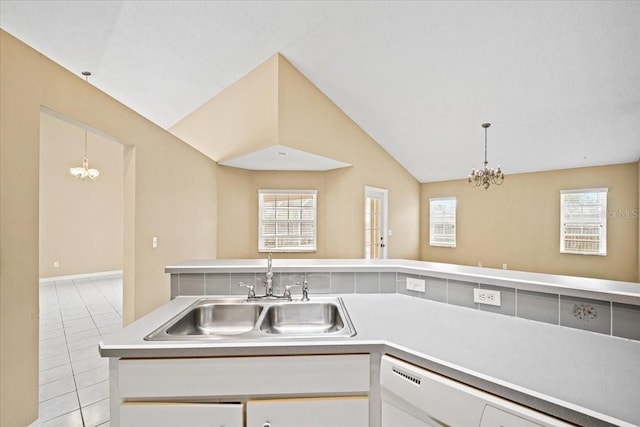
81	255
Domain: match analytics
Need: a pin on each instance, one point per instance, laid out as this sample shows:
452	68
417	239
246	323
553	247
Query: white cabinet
167	414
322	390
152	379
311	412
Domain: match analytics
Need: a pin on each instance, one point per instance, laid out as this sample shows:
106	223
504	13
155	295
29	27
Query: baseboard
80	276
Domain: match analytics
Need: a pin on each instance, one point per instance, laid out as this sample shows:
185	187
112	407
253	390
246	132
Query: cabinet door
309	412
166	414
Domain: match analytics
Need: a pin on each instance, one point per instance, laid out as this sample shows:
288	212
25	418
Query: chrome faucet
268	283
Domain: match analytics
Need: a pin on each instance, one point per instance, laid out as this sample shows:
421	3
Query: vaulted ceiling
559	81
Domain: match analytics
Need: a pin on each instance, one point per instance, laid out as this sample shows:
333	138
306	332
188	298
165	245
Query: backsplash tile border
334	282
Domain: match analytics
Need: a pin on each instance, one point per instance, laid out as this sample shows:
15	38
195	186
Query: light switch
154	242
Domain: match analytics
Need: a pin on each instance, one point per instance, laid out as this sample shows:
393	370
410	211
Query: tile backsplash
588	314
539	306
600	316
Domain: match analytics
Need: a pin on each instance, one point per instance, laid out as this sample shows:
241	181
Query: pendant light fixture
486	176
84	171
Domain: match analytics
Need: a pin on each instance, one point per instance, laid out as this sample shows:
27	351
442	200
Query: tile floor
74	379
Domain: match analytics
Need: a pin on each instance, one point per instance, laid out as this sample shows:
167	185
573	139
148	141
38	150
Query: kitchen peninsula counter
583	377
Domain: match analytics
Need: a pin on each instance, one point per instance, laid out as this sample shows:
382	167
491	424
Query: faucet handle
252	292
287	290
305	291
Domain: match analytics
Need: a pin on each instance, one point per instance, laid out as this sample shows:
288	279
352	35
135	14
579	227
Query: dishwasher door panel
395	417
440	401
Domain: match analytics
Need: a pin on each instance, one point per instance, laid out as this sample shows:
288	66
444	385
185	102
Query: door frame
383	194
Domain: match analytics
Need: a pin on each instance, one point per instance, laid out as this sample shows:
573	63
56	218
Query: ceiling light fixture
487	176
84	171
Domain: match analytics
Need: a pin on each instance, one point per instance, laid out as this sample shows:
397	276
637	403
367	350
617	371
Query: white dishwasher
415	397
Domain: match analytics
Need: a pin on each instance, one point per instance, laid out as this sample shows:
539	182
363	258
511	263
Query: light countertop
584	377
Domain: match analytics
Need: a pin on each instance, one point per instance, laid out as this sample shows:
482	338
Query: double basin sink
216	319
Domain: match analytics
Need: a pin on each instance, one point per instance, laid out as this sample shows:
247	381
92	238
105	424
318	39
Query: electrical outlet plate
485	296
415	284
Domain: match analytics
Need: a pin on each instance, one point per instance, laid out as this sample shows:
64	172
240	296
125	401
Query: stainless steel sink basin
305	319
217	319
238	319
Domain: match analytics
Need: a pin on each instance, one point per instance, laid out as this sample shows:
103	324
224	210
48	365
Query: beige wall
518	223
240	119
310	121
238	212
81	222
275	104
169	191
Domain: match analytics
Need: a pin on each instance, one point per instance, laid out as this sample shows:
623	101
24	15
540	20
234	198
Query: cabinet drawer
241	376
319	412
156	414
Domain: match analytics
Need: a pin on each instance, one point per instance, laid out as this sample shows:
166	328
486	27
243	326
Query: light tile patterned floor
74	379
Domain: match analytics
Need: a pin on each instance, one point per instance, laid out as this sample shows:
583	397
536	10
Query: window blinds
287	220
442	221
583	221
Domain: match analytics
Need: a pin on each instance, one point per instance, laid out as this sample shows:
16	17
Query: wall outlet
415	284
485	296
56	264
504	266
479	263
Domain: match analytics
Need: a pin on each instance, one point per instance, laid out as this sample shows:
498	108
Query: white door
375	223
309	412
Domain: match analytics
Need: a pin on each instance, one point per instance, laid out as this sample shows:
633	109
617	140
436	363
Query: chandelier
84	171
487	176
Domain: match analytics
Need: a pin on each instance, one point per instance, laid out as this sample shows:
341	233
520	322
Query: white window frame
434	222
566	209
261	222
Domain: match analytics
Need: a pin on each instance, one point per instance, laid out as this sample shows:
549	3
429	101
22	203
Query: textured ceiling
559	81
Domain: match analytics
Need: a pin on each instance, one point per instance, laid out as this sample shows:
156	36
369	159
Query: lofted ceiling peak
273	109
559	81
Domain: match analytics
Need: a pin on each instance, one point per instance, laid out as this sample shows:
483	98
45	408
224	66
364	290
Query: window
442	222
287	220
583	221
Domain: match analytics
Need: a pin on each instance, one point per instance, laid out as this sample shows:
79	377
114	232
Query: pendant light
84	171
